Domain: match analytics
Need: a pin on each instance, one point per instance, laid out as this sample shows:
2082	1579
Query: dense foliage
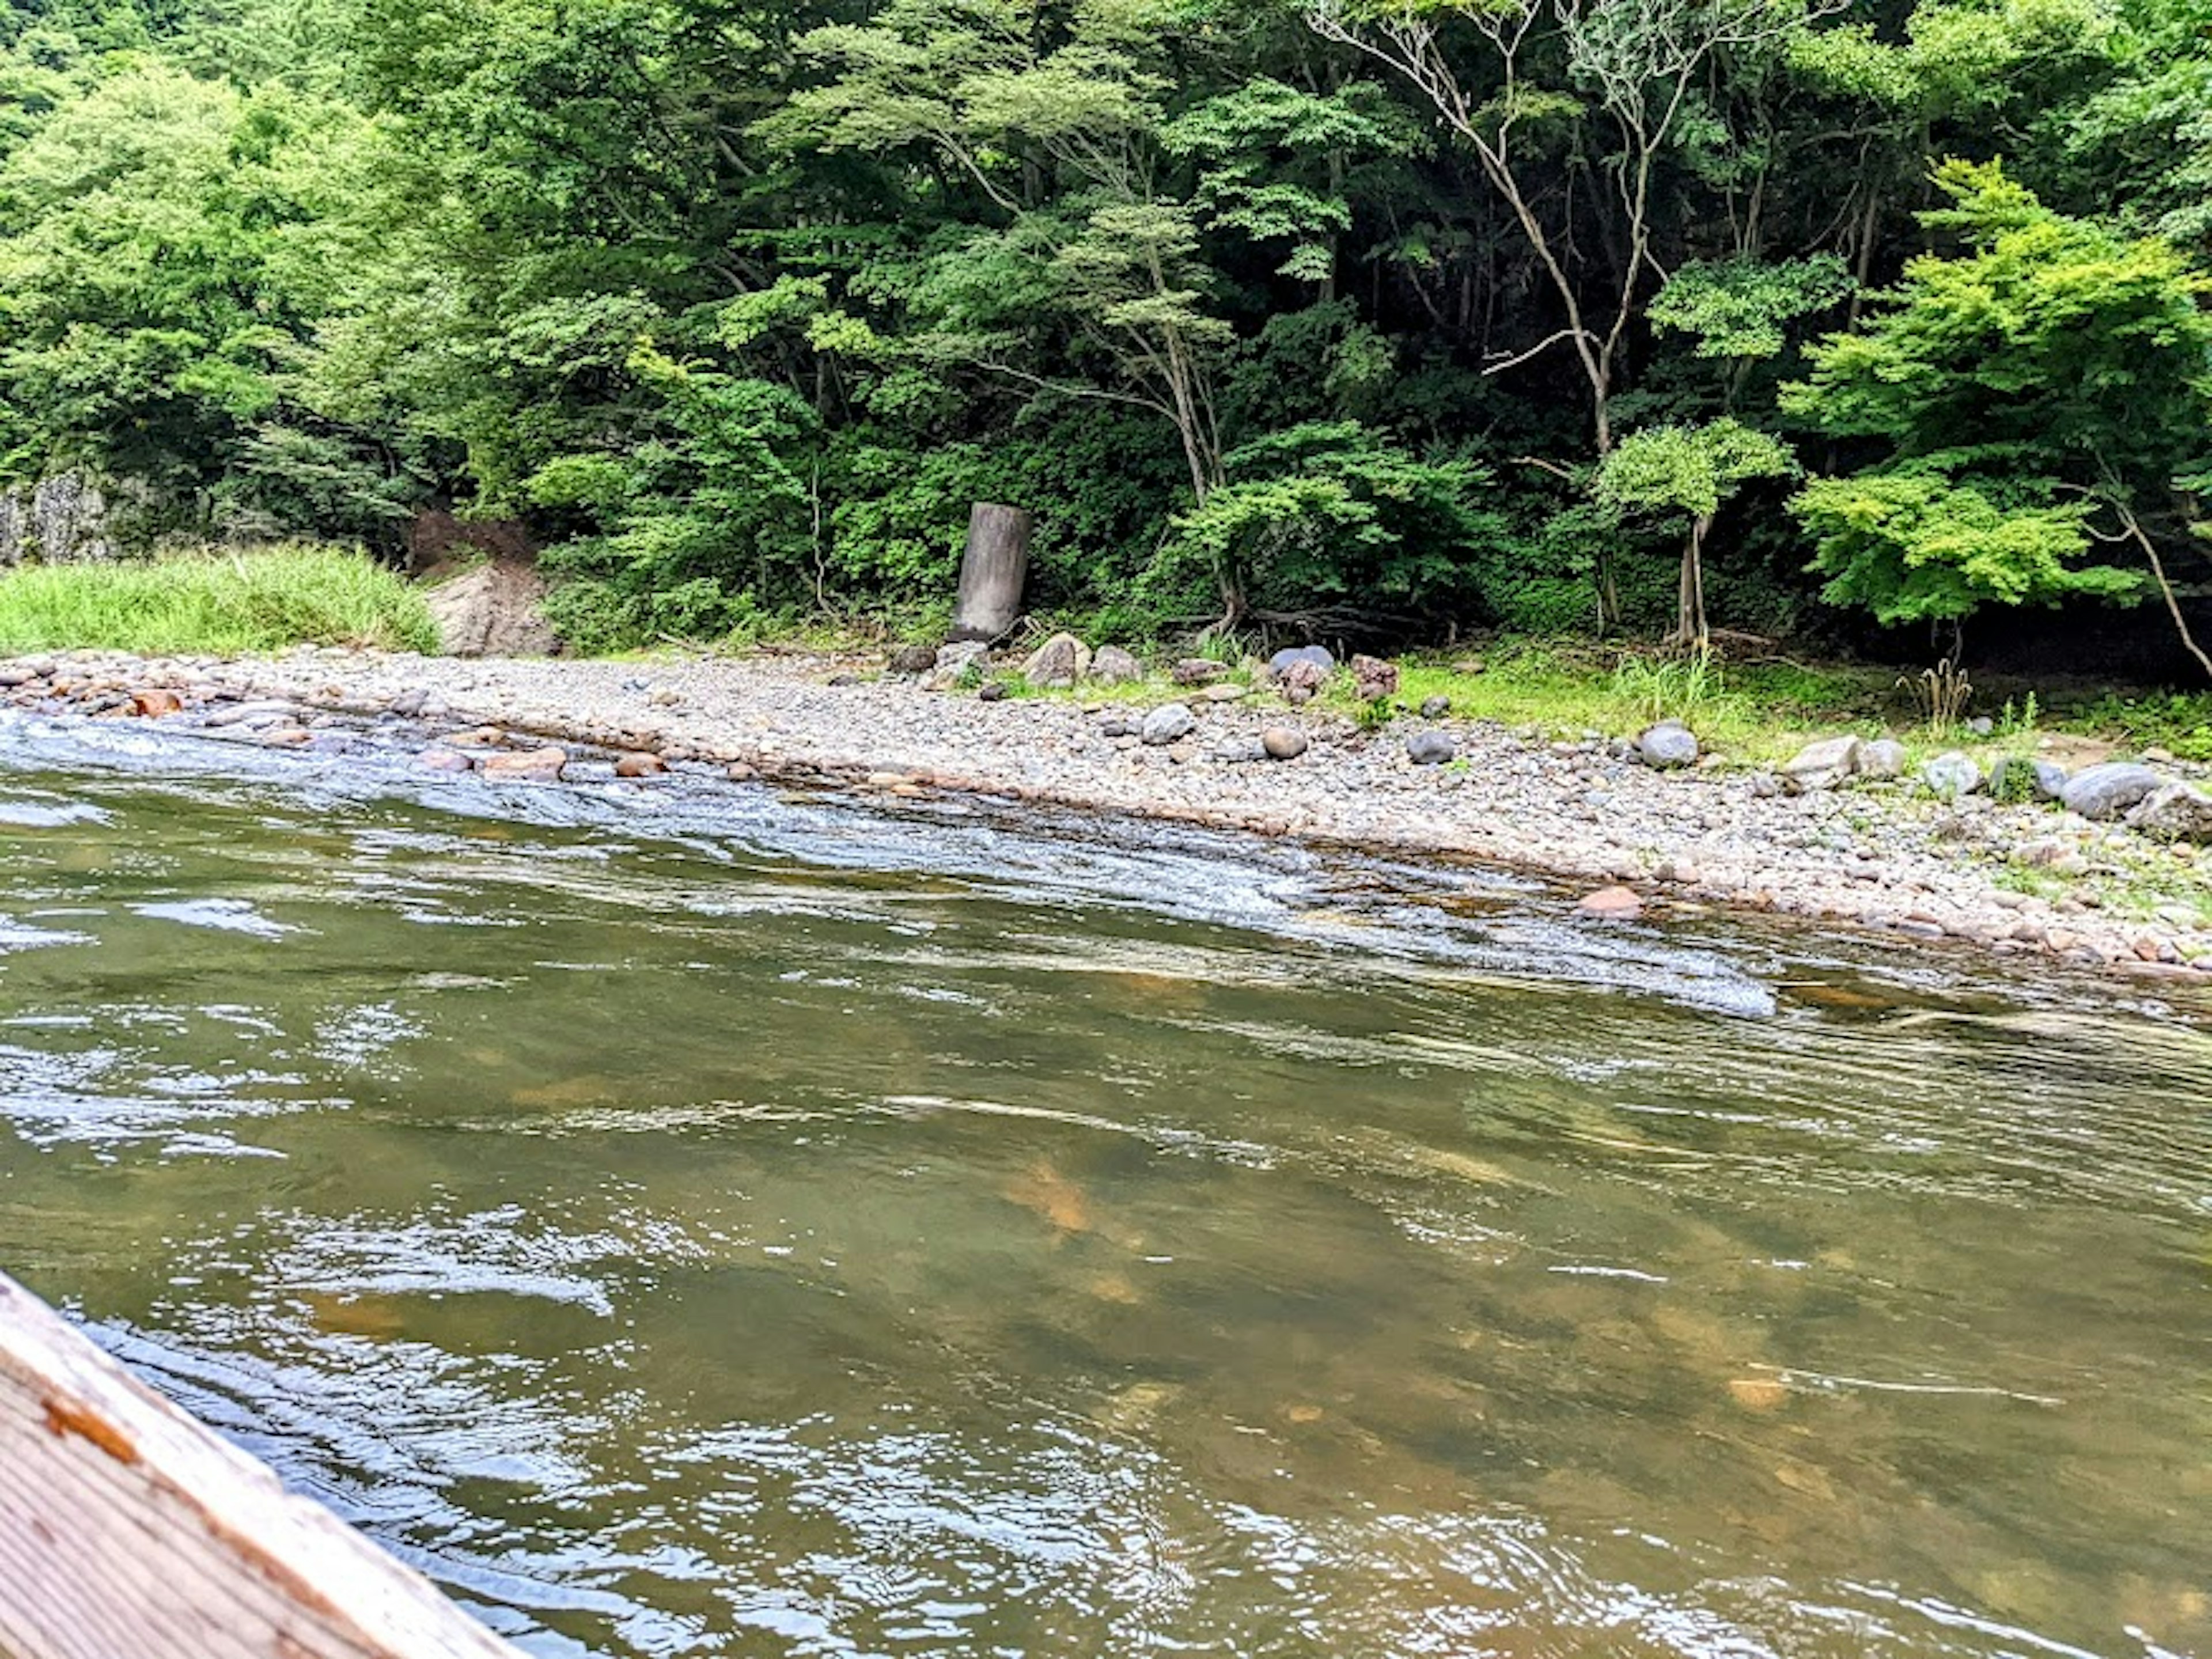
1344	316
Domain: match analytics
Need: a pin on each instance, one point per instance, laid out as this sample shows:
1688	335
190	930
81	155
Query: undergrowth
215	604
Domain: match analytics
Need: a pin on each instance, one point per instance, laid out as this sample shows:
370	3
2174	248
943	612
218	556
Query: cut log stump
994	572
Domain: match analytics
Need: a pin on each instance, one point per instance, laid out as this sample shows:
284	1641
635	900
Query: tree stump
993	573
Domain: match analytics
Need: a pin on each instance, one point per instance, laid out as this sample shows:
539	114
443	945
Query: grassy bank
214	604
1756	713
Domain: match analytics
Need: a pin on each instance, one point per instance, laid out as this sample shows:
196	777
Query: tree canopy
1303	315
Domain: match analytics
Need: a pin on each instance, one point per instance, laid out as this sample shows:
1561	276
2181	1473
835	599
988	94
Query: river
704	1220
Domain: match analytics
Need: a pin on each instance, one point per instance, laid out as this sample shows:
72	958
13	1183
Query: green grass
1756	712
2179	722
214	605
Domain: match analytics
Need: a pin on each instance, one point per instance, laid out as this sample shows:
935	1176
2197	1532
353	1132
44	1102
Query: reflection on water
689	1220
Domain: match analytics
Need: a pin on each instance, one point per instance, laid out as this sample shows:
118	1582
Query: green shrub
216	605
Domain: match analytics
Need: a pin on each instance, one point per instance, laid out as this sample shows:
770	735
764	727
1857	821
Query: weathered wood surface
993	573
129	1530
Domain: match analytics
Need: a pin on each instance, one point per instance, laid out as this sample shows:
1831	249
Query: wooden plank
130	1530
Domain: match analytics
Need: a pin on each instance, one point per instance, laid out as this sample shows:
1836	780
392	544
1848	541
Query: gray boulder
913	659
2107	791
953	661
1318	655
1115	666
1239	751
2176	812
1668	746
1822	765
1953	776
1882	758
1431	748
1058	663
1169	724
2017	778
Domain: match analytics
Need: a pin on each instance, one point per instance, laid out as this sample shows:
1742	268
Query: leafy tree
2052	374
150	256
1690	472
1331	512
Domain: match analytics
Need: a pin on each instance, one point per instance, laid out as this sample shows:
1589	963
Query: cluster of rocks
2166	809
1648	820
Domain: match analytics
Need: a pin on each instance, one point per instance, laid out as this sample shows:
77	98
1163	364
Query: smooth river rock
1112	666
2107	791
1822	765
1668	746
1612	903
1058	663
1431	748
1882	758
1318	655
2017	778
526	765
1284	743
1953	776
1170	724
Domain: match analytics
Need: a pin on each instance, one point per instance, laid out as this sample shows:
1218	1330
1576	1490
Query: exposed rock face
1667	746
2107	791
64	520
1822	765
1168	725
2177	812
1112	666
493	611
1058	663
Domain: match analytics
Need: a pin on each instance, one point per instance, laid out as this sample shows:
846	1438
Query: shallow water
704	1220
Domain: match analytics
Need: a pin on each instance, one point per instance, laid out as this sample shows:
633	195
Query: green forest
1385	321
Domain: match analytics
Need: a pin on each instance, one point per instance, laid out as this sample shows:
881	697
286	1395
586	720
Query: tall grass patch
215	604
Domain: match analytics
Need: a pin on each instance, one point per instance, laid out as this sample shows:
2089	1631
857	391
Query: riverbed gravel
1886	855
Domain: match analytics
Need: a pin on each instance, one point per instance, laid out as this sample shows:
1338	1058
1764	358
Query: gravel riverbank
2014	879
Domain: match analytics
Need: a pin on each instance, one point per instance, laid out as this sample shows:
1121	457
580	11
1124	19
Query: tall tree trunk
1691	629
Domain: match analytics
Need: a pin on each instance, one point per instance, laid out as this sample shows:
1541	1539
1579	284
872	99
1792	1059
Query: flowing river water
709	1220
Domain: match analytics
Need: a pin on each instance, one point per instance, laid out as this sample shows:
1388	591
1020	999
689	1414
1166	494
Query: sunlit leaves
2050	363
1740	307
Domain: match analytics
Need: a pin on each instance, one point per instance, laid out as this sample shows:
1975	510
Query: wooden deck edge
130	1530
